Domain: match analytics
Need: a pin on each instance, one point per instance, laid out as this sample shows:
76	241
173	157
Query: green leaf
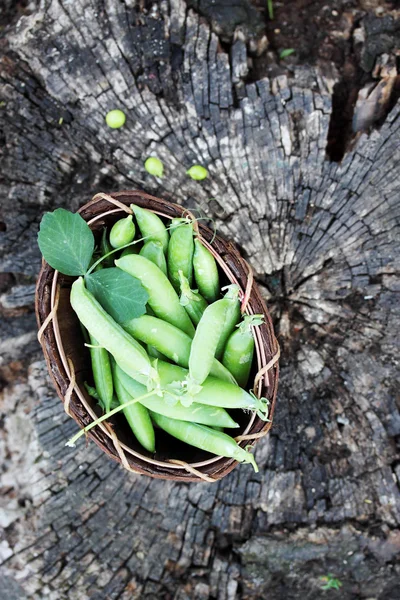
197	172
154	166
66	241
286	52
120	294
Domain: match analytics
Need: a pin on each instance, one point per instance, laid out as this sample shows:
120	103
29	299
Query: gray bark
321	237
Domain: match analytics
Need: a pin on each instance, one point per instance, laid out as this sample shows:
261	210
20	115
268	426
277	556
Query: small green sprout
154	166
115	119
270	8
286	52
197	172
60	120
330	582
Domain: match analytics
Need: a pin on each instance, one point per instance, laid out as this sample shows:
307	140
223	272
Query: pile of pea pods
186	362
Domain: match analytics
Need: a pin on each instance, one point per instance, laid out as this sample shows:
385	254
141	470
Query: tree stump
321	236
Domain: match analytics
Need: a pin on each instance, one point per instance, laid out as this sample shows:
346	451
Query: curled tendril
261	406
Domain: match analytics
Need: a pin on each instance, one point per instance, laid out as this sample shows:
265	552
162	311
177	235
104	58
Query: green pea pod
151	227
93	392
239	349
154	251
214	392
137	415
199	413
163	299
191	300
205	272
231	318
170	342
180	254
128	353
133	249
105	248
206	340
153	352
122	232
102	375
205	438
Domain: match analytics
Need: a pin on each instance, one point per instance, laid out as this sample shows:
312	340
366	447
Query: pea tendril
107	415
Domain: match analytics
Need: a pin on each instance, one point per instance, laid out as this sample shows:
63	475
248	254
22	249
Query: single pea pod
163	299
122	232
106	248
239	349
214	392
232	317
205	272
205	438
151	227
191	300
153	251
199	413
128	353
170	342
180	254
205	341
102	374
137	415
153	352
93	392
132	249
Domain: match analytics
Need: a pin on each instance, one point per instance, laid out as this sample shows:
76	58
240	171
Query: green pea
205	272
115	119
205	438
151	227
180	254
163	299
231	318
128	353
239	349
170	342
197	172
154	166
198	413
214	392
191	300
122	232
205	341
137	415
153	251
102	375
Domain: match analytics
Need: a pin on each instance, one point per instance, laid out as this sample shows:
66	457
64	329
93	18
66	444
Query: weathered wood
322	238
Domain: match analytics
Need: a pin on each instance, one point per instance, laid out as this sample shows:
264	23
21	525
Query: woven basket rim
245	295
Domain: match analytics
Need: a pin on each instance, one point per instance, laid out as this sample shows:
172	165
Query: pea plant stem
94	265
107	415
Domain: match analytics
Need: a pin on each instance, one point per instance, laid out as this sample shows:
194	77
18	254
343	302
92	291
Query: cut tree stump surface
323	239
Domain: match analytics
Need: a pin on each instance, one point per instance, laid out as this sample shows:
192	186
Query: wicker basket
68	360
